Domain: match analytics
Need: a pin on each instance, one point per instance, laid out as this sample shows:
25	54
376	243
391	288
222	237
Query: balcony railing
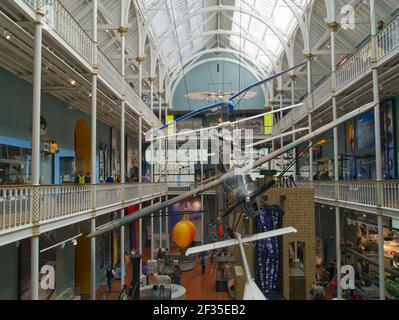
108	72
356	66
384	194
58	201
60	21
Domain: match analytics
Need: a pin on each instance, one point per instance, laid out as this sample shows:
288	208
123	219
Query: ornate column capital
308	56
123	31
333	26
140	59
152	79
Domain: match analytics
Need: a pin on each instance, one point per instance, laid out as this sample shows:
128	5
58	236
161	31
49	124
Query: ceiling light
8	37
106	30
74	242
73	82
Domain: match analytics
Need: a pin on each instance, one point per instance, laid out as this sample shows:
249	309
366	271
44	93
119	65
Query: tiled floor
199	286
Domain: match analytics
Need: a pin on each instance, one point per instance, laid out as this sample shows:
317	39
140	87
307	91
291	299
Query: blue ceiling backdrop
217	76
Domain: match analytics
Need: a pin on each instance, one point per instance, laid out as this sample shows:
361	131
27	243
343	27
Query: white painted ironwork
109	73
357	192
15	207
348	72
59	201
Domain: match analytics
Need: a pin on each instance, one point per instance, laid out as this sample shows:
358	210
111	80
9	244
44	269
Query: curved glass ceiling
182	28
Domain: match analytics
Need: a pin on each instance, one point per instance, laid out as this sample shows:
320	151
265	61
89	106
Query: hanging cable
180	54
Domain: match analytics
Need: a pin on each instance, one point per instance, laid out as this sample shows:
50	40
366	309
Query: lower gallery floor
198	286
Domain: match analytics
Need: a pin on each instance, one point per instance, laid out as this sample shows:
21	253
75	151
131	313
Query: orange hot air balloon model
183	232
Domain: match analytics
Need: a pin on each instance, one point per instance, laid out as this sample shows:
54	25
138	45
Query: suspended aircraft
246	191
227	104
214	96
251	290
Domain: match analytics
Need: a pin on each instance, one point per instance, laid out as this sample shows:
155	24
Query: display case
67	170
15	165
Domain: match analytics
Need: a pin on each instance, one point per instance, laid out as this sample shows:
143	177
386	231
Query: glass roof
174	22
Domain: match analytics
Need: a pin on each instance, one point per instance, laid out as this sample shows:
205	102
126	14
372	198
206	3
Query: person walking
317	291
110	274
203	262
81	178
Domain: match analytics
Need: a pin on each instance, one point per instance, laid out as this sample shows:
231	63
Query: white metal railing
108	195
63	200
59	19
388	39
322	92
357	65
57	201
390	194
68	29
357	192
180	186
15	206
108	72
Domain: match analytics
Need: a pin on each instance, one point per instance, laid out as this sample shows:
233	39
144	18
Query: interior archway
82	146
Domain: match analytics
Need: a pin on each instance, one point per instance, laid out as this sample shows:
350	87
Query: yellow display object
183	233
171	128
268	124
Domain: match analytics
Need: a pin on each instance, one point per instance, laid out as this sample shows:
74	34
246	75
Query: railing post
37	87
377	128
123	31
35	243
93	155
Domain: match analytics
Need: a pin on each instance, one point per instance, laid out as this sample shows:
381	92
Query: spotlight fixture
74	242
73	82
6	34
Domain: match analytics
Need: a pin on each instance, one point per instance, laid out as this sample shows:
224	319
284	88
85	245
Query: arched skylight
181	28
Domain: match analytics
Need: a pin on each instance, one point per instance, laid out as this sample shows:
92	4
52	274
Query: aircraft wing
236	171
232	242
276	75
193	113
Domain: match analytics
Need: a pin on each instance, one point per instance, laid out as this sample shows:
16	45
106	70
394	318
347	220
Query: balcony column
160	103
378	156
140	181
309	57
333	26
36	107
152	80
152	232
281	93
93	153
167	223
293	79
152	181
166	144
140	61
202	179
272	162
160	225
123	31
